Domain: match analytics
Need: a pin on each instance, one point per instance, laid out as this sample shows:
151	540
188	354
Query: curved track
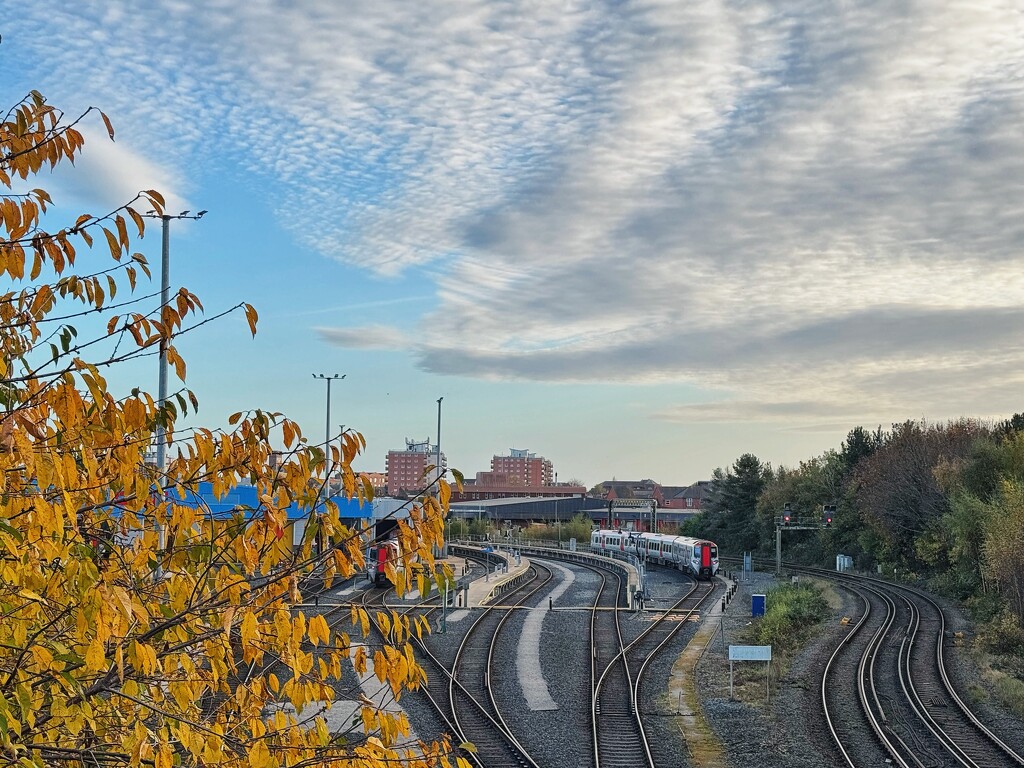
620	740
894	654
463	695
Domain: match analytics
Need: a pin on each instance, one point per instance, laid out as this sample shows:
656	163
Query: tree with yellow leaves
138	629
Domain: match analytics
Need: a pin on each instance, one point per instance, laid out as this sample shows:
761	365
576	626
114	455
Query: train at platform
697	557
381	554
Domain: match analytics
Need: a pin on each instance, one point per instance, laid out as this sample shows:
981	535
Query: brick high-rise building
521	467
405	469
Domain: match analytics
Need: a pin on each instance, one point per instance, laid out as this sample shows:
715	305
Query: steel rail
478	708
829	720
907	677
620	665
673	630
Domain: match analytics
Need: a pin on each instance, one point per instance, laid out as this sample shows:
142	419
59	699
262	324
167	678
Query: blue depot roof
245	496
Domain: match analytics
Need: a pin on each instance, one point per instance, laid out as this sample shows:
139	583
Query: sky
637	238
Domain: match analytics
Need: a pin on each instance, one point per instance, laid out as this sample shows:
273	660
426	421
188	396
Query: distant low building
475	490
503	512
633	489
690	498
378	481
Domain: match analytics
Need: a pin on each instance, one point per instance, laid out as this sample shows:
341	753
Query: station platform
504	568
515	560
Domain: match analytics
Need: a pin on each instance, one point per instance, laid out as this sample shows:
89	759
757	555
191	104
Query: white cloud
110	173
369	337
814	207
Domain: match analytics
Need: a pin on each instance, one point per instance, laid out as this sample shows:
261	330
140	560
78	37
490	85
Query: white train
697	557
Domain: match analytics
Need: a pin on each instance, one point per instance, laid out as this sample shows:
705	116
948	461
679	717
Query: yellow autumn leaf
319	632
227	619
28	594
94	660
259	755
251	316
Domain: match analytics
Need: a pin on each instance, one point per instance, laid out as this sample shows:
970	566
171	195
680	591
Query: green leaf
11	531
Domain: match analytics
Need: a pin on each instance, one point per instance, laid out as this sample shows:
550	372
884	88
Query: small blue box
757	605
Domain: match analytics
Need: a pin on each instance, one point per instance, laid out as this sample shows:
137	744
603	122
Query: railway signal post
788	520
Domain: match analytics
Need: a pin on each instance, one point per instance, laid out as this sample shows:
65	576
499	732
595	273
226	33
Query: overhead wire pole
165	297
558	522
439	437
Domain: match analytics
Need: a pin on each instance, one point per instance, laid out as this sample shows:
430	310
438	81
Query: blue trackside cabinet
757	605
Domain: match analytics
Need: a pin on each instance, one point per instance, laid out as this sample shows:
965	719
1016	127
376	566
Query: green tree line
941	504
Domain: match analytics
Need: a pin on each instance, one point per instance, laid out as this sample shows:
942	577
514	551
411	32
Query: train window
714	551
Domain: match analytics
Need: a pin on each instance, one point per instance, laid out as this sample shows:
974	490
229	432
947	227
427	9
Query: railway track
935	698
906	704
943	722
843	692
620	740
463	694
615	731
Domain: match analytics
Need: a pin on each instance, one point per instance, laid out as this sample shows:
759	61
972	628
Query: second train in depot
697	557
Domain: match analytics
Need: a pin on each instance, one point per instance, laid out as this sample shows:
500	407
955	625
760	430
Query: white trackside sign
750	653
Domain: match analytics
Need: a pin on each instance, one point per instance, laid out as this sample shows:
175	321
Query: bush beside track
793	613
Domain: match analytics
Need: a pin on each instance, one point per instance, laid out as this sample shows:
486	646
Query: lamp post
437	462
444	549
327	445
558	523
327	431
165	296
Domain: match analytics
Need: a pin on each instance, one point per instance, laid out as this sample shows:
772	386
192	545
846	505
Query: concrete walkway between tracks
528	650
705	750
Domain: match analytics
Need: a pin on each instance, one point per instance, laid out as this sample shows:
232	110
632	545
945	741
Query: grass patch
1009	691
1004	679
998	650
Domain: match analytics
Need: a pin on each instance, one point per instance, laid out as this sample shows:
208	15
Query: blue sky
639	239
